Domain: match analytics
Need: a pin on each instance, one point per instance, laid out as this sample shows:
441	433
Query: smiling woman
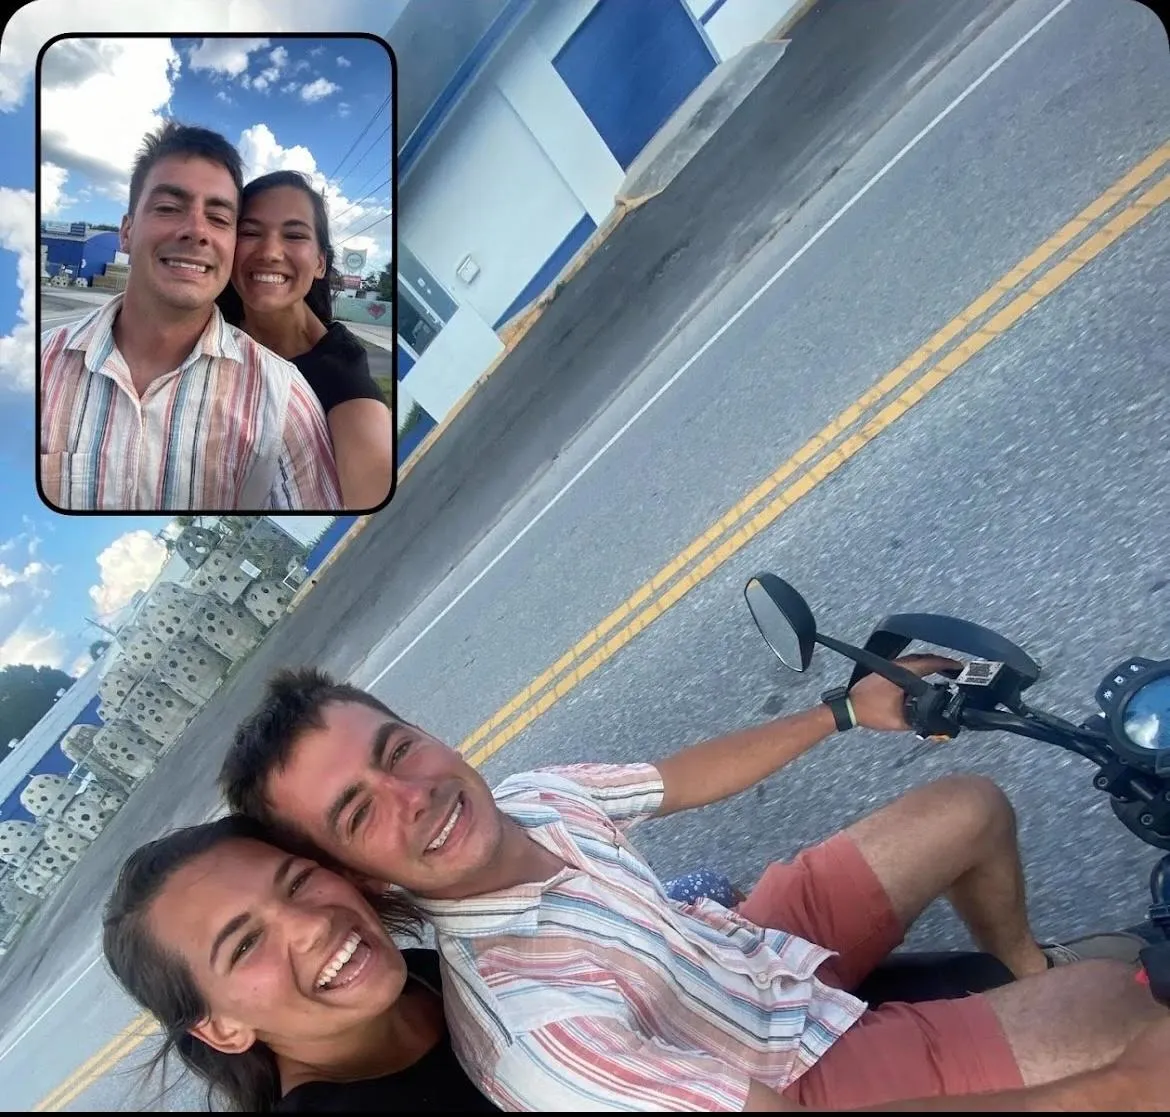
153	399
280	295
277	981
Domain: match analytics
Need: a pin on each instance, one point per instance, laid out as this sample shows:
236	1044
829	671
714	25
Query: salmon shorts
830	896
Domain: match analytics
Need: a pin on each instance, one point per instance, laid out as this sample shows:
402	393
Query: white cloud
262	152
279	58
53	196
33	25
343	61
43	648
318	90
289	87
18	234
129	564
94	124
33	575
343	109
25	585
260	83
224	56
316	52
222	96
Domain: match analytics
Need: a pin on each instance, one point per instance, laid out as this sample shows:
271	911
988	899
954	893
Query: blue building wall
97	251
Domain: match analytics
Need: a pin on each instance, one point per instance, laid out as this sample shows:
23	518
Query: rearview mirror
784	619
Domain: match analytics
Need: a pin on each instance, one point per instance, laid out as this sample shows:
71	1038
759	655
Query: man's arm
725	766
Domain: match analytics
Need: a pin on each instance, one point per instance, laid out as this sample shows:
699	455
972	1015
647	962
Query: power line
357	202
377	113
354	236
385	132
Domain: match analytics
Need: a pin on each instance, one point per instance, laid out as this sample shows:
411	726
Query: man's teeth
265	277
339	960
186	266
445	833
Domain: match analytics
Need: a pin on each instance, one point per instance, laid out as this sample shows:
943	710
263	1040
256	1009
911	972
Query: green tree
387	284
26	694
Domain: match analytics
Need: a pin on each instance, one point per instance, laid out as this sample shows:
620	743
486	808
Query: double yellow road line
829	449
999	308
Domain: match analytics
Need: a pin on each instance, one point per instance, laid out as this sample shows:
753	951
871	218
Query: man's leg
955	837
858	892
1072	1019
1040	1029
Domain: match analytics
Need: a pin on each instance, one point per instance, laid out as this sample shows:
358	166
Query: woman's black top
338	369
435	1084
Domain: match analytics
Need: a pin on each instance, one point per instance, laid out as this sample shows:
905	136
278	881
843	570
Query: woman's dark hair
320	295
161	981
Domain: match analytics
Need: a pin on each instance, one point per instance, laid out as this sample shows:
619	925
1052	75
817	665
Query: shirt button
761	980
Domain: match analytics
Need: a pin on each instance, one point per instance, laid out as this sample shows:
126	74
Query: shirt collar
513	909
94	335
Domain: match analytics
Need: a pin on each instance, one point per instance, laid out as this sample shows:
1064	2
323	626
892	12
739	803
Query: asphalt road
1025	490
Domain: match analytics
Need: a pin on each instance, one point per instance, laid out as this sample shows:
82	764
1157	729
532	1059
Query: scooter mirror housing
784	619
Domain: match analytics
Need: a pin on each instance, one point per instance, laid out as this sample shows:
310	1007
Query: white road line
217	813
60	996
873	181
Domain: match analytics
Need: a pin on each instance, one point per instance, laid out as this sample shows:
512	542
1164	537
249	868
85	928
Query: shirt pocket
69	481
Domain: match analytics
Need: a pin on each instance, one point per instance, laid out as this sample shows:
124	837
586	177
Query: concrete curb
698	118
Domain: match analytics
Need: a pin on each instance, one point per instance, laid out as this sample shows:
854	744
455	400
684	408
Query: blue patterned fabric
702	882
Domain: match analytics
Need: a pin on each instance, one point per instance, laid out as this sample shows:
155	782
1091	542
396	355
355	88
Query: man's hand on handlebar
879	704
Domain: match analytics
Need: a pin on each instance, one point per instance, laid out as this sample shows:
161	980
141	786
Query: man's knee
976	806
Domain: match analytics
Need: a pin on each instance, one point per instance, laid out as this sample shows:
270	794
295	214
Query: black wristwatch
837	699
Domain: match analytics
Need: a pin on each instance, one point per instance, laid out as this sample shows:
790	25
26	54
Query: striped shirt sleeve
598	1064
627	793
307	473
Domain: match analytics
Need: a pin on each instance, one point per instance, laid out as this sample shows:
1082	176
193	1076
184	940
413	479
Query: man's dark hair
174	138
162	983
319	298
294	702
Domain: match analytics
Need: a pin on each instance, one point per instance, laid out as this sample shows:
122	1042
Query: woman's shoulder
339	339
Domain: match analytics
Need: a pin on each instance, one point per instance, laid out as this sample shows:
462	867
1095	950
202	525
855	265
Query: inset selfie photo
216	221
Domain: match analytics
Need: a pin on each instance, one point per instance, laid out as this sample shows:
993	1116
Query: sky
99	99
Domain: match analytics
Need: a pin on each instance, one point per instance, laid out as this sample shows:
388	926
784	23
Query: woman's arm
363	445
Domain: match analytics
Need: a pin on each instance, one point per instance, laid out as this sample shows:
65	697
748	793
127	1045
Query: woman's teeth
262	277
445	833
339	960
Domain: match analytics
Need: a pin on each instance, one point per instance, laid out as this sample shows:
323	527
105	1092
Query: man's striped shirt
595	991
194	437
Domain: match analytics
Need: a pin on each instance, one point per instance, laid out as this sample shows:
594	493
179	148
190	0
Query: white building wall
466	346
513	170
485	188
525	76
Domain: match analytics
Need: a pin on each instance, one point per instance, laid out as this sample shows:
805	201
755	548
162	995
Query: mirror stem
892	672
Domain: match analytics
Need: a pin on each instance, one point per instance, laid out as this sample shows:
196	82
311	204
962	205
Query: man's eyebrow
229	929
173	191
340	803
282	870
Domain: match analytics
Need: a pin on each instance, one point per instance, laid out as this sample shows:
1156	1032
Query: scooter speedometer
1135	698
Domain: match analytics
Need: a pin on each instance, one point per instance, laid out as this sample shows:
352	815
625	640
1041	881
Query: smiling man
153	402
572	982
